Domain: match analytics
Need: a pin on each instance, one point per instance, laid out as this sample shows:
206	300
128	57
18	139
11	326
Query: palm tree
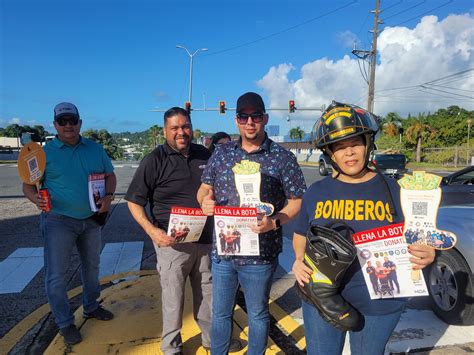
156	135
296	134
391	124
417	132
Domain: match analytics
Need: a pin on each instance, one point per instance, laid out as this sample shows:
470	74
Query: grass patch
431	166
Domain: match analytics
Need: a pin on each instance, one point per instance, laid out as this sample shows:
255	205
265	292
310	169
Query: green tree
296	134
155	134
197	134
13	131
419	132
391	124
104	138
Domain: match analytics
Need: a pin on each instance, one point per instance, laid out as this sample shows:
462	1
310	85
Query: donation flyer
186	224
385	262
233	231
96	190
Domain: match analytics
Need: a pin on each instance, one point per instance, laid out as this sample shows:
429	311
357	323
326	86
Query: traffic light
291	106
187	107
222	107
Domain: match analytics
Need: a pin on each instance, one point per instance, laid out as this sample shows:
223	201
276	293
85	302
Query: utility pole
371	57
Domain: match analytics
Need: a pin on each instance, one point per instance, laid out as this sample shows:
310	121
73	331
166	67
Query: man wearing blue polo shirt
70	159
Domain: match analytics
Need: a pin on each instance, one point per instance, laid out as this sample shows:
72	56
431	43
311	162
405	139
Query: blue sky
117	60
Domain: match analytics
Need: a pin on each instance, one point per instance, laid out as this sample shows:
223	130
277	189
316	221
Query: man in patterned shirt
281	185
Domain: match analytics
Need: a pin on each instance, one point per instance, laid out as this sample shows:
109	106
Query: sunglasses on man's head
256	117
63	121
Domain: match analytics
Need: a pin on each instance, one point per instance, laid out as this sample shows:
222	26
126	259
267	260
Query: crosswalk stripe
120	257
19	269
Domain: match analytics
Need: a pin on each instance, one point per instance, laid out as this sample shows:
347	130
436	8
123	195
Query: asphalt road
19	228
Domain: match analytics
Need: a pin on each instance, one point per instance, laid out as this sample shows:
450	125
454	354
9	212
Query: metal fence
452	156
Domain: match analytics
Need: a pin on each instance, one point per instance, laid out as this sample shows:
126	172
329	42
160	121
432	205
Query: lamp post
190	96
469	121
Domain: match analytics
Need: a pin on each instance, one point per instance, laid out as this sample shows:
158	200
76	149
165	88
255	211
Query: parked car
325	166
393	165
450	278
458	187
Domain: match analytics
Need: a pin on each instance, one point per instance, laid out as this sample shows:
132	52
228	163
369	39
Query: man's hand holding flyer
233	231
186	224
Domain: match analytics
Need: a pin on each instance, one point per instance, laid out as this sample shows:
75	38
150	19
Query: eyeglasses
63	121
256	117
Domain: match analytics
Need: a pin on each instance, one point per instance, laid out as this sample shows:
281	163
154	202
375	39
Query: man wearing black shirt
170	176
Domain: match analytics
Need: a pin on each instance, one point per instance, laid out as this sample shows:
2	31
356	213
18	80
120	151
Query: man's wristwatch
110	194
277	223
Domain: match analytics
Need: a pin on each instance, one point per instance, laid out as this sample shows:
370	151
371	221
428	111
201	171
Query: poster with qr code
420	196
247	181
385	263
233	231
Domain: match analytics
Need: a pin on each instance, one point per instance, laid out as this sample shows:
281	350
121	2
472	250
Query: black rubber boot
329	254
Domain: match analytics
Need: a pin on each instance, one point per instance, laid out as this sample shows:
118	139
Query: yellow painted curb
146	344
10	339
288	325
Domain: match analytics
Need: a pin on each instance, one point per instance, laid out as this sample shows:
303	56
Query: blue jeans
322	338
256	281
60	234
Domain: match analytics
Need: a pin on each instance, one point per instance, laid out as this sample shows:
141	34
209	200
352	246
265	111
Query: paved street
126	248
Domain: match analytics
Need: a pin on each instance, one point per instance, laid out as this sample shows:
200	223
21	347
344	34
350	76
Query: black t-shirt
167	178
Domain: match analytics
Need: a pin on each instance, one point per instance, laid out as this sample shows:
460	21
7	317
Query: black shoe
71	334
100	313
235	345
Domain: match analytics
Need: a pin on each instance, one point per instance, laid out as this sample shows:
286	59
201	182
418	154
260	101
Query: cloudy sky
118	61
422	69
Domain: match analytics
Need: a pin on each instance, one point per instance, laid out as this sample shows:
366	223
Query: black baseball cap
250	99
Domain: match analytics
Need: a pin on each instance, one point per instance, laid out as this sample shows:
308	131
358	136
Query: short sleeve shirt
361	206
67	175
167	178
281	179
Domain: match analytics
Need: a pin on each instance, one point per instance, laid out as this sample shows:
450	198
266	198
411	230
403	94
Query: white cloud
433	49
15	120
347	38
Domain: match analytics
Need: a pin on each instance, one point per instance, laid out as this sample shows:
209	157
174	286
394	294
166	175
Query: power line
446	92
280	32
458	74
393	5
405	10
448	87
424	13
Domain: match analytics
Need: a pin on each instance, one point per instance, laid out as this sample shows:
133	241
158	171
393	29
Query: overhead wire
424	13
280	32
403	11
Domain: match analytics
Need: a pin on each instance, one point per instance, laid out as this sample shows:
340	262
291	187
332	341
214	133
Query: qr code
248	188
420	208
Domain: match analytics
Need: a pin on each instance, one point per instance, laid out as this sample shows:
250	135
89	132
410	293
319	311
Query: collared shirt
167	178
281	179
67	174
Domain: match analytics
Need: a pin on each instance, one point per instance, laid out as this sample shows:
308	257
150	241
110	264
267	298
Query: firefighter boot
329	254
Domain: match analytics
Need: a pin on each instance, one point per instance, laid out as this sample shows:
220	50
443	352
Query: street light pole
190	96
469	121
